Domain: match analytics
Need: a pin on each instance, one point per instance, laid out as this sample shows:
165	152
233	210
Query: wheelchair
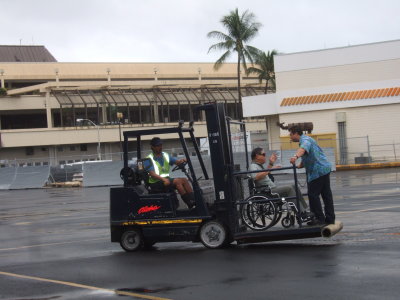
264	209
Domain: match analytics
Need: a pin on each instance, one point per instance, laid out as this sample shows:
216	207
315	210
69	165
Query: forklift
139	218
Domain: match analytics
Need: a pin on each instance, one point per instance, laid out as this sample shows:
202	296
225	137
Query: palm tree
265	69
240	30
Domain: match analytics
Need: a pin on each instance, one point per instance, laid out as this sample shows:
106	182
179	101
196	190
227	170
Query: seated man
159	179
262	179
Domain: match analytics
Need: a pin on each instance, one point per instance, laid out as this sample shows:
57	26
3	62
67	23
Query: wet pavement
55	244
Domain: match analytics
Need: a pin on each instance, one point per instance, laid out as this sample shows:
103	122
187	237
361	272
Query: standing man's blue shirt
314	160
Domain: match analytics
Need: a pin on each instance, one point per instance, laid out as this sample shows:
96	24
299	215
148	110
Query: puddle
147	290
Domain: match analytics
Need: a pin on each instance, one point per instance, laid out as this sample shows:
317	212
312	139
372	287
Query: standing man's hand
299	153
166	181
293	159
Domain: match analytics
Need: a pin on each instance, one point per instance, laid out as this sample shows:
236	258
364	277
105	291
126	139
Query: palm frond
221	60
228	45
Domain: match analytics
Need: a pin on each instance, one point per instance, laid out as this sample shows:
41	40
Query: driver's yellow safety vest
162	171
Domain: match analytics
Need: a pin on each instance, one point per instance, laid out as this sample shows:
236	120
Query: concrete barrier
102	173
30	177
6	177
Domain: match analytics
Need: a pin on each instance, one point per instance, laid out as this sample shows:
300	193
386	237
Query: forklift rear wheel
131	240
213	235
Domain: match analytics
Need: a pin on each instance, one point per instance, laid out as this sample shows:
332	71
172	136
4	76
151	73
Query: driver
159	179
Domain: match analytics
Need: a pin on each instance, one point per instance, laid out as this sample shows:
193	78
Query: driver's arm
179	161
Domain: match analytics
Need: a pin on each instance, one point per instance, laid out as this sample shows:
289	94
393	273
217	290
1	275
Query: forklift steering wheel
180	166
128	172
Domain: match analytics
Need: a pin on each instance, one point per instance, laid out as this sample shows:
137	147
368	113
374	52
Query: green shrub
3	92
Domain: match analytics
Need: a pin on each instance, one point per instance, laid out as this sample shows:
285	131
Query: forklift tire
131	240
214	235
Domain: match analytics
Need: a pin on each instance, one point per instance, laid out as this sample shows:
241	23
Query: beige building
351	94
57	113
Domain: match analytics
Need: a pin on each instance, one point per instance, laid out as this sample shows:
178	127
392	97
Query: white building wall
324	121
379	123
273	132
356	54
336	66
338	75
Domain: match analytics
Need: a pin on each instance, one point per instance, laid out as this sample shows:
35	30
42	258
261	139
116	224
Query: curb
367	166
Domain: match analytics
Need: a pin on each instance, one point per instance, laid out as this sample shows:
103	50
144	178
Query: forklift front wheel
213	235
131	240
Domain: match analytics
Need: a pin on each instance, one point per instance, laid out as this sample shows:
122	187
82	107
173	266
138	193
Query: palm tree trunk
239	109
266	87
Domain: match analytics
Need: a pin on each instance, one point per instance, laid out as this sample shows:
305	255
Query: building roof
25	54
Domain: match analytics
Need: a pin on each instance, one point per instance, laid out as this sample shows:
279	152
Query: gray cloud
175	30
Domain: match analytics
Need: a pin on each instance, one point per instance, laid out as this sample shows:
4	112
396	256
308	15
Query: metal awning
145	97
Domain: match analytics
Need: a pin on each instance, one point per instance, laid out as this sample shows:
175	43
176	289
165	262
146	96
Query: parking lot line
52	244
365	210
82	286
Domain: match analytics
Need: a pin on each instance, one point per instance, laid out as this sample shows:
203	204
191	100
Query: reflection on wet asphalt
63	234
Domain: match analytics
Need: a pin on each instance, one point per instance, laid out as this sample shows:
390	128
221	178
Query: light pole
98	135
120	116
2	79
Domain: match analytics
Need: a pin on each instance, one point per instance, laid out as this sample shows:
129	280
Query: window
83	147
60	148
29	151
72	148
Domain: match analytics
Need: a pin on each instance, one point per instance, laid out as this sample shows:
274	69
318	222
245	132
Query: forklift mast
221	162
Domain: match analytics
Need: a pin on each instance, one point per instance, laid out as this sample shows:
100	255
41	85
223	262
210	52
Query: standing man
159	179
318	169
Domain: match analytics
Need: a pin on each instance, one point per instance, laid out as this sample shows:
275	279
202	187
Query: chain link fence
352	150
89	170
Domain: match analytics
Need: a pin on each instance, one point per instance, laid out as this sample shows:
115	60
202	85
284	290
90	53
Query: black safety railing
246	174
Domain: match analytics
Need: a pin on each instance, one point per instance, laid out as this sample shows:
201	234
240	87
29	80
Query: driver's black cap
156	141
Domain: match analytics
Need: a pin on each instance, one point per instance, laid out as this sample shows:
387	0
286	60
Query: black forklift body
155	214
140	218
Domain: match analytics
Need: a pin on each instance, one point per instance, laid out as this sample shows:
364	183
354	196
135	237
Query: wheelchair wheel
288	221
278	209
258	215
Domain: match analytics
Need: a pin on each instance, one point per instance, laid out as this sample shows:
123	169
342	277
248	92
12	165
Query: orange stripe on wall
333	97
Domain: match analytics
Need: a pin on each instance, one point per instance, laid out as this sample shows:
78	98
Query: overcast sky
176	30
